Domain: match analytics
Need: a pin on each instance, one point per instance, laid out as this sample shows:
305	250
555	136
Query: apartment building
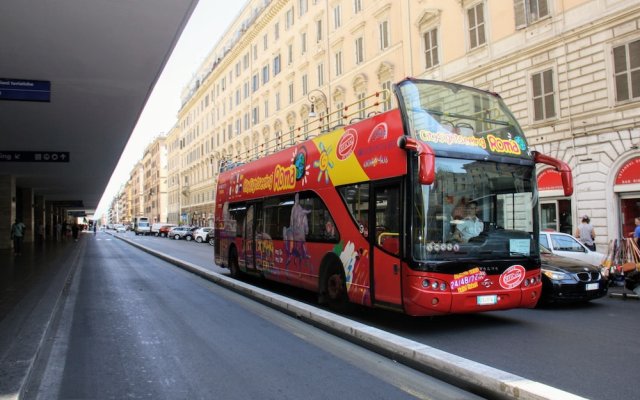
173	176
568	69
155	180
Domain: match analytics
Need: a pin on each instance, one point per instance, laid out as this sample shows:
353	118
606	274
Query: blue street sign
25	90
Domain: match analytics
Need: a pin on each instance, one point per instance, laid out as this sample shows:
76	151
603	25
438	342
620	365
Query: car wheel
211	241
177	237
188	238
199	239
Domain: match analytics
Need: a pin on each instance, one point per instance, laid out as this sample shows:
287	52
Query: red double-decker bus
430	208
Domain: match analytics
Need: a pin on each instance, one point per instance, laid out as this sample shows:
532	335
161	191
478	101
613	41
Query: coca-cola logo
347	144
512	277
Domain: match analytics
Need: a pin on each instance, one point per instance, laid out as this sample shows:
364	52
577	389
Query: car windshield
475	209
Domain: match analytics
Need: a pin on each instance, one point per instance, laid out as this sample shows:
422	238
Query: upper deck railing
346	115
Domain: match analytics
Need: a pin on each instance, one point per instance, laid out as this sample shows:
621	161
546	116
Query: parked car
181	232
566	245
567	280
163	231
200	234
210	239
120	228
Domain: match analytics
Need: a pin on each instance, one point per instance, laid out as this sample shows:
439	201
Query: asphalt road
134	326
590	350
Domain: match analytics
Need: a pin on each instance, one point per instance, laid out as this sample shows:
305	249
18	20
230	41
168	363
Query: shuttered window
626	60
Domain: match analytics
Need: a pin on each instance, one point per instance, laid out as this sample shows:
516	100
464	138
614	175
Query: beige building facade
155	170
568	69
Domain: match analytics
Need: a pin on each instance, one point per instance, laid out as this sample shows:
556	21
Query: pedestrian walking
17	235
586	234
58	231
74	231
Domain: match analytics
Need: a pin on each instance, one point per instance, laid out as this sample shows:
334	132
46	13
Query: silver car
180	232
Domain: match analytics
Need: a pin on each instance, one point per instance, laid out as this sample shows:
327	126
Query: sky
207	24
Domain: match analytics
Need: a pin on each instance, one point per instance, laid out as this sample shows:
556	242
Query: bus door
385	243
249	242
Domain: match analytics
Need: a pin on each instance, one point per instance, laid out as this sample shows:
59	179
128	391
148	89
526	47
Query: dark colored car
566	280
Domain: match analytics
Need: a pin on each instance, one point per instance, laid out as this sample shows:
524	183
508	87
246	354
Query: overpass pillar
7	209
40	220
25	210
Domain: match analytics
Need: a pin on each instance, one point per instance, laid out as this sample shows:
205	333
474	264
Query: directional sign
34	156
25	90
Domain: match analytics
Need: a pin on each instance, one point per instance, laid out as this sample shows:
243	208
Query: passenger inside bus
471	226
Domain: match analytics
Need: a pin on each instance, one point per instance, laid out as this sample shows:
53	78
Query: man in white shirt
471	226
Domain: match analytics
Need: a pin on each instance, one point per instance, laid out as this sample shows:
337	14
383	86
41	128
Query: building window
265	74
320	74
290	54
430	39
266	109
337	17
245	61
238	69
339	112
303	42
543	95
276	65
475	16
386	105
255	82
246	90
305	84
265	41
626	60
276	31
290	92
338	58
255	115
318	31
255	52
383	29
359	50
529	11
278	101
303	6
361	105
288	19
357	6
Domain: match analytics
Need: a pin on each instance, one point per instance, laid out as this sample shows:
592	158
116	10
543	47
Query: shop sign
629	173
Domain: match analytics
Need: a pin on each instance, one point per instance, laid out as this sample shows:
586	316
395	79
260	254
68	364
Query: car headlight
556	276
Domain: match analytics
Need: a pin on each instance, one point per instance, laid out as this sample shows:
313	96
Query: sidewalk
30	286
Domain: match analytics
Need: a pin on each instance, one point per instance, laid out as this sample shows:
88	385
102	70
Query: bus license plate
487	300
592	286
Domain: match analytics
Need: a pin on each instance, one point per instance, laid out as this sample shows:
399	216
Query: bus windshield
460	121
478	209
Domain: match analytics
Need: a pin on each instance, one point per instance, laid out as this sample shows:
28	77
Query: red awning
549	179
629	173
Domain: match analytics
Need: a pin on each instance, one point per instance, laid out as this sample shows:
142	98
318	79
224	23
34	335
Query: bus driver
471	226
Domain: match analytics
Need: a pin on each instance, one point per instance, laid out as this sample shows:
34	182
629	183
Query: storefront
555	207
627	190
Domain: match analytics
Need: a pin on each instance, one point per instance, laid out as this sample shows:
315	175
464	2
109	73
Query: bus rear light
443	286
434	285
425	283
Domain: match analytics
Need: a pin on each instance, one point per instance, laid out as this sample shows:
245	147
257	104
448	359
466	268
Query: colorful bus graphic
430	208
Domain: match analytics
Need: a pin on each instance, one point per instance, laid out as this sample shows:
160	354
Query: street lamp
313	96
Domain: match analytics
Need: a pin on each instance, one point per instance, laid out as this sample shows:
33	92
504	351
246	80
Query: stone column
40	221
7	209
26	207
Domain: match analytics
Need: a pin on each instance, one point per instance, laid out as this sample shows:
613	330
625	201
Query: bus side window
356	197
387	201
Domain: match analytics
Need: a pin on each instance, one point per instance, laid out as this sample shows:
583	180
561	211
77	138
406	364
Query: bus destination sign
34	156
25	90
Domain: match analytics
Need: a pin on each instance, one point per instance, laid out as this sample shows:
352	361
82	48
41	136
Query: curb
470	375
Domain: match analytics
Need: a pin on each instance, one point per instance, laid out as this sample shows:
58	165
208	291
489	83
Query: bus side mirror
426	158
560	166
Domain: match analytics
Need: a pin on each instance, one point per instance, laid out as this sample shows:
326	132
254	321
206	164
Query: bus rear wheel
334	291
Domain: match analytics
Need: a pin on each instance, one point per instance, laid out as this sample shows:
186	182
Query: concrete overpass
74	78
